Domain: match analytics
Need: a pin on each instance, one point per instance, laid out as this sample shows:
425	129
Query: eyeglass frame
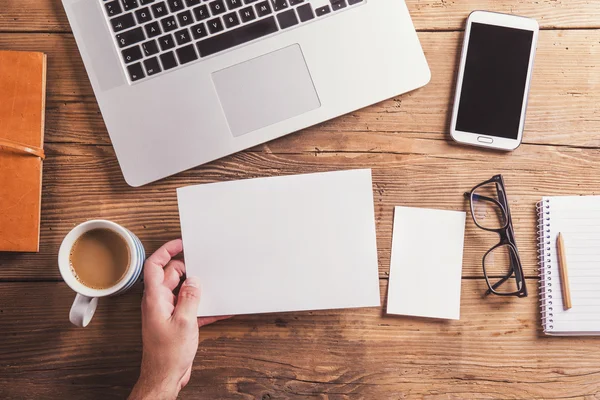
507	238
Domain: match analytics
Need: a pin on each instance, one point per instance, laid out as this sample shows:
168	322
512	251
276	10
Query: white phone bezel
497	19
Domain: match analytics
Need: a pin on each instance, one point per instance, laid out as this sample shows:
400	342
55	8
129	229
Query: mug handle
82	310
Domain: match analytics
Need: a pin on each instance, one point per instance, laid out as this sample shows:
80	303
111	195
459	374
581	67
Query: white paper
426	265
303	242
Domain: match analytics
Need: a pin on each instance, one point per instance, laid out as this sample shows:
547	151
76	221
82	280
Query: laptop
184	82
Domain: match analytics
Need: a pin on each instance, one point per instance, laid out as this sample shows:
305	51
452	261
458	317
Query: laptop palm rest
266	90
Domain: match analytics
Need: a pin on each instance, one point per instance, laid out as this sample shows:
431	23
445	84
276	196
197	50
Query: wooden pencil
564	275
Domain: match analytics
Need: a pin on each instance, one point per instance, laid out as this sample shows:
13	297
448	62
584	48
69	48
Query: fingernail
193	281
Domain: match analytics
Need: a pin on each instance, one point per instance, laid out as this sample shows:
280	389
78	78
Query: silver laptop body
184	82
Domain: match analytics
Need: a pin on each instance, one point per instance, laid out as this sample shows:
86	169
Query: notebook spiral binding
545	264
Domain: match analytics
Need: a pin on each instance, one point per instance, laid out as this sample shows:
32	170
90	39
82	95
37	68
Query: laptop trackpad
266	90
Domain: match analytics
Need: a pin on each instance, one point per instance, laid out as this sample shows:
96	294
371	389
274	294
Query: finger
186	378
153	268
188	300
209	320
158	302
173	273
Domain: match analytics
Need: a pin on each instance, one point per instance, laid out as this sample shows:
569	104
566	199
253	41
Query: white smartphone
493	80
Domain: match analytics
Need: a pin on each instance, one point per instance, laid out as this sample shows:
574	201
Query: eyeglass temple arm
518	275
501	281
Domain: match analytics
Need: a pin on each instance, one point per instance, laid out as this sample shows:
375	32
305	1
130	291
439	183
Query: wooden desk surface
496	350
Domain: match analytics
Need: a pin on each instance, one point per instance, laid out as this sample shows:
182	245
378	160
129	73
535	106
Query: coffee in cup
99	258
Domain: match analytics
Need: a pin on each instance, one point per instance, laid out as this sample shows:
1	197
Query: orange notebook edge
42	133
41	161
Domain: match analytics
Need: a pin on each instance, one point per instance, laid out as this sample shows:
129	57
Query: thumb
189	299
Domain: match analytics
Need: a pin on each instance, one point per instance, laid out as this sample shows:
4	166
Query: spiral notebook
578	219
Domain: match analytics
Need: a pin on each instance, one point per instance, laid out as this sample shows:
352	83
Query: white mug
86	299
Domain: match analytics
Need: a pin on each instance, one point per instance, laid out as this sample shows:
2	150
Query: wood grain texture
564	105
49	15
495	351
84	182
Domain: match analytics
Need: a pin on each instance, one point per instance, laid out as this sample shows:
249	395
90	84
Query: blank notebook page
578	219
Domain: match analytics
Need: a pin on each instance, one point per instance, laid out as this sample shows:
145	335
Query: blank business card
289	243
426	264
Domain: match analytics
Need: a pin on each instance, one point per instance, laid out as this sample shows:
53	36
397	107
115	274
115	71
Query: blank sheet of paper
426	265
302	242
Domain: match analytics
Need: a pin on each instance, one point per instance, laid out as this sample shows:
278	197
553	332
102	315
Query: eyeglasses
502	266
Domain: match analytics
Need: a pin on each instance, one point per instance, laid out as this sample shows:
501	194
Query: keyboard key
199	31
143	15
152	29
249	1
122	22
187	54
322	11
130	37
338	4
130	4
168	24
185	18
235	37
201	12
231	20
183	36
166	42
352	2
168	60
217	7
136	72
150	48
192	3
144	2
279	5
247	14
305	12
160	9
263	8
233	4
287	18
215	25
152	66
175	5
113	8
295	2
132	54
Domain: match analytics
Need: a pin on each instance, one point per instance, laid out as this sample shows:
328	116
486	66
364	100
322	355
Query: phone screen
494	80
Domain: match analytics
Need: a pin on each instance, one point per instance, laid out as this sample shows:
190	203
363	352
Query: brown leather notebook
22	106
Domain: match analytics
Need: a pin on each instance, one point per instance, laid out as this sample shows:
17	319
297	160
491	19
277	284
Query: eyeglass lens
487	211
499	265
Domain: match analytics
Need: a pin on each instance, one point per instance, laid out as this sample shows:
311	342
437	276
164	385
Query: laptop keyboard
154	36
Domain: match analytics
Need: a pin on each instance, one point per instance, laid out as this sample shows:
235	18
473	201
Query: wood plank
495	350
84	182
33	16
564	106
49	15
550	14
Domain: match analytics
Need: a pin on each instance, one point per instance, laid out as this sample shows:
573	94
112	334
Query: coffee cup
98	258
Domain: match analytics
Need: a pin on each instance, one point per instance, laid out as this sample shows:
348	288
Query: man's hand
169	326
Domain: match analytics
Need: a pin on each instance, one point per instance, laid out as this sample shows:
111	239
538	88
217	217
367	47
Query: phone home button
485	139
